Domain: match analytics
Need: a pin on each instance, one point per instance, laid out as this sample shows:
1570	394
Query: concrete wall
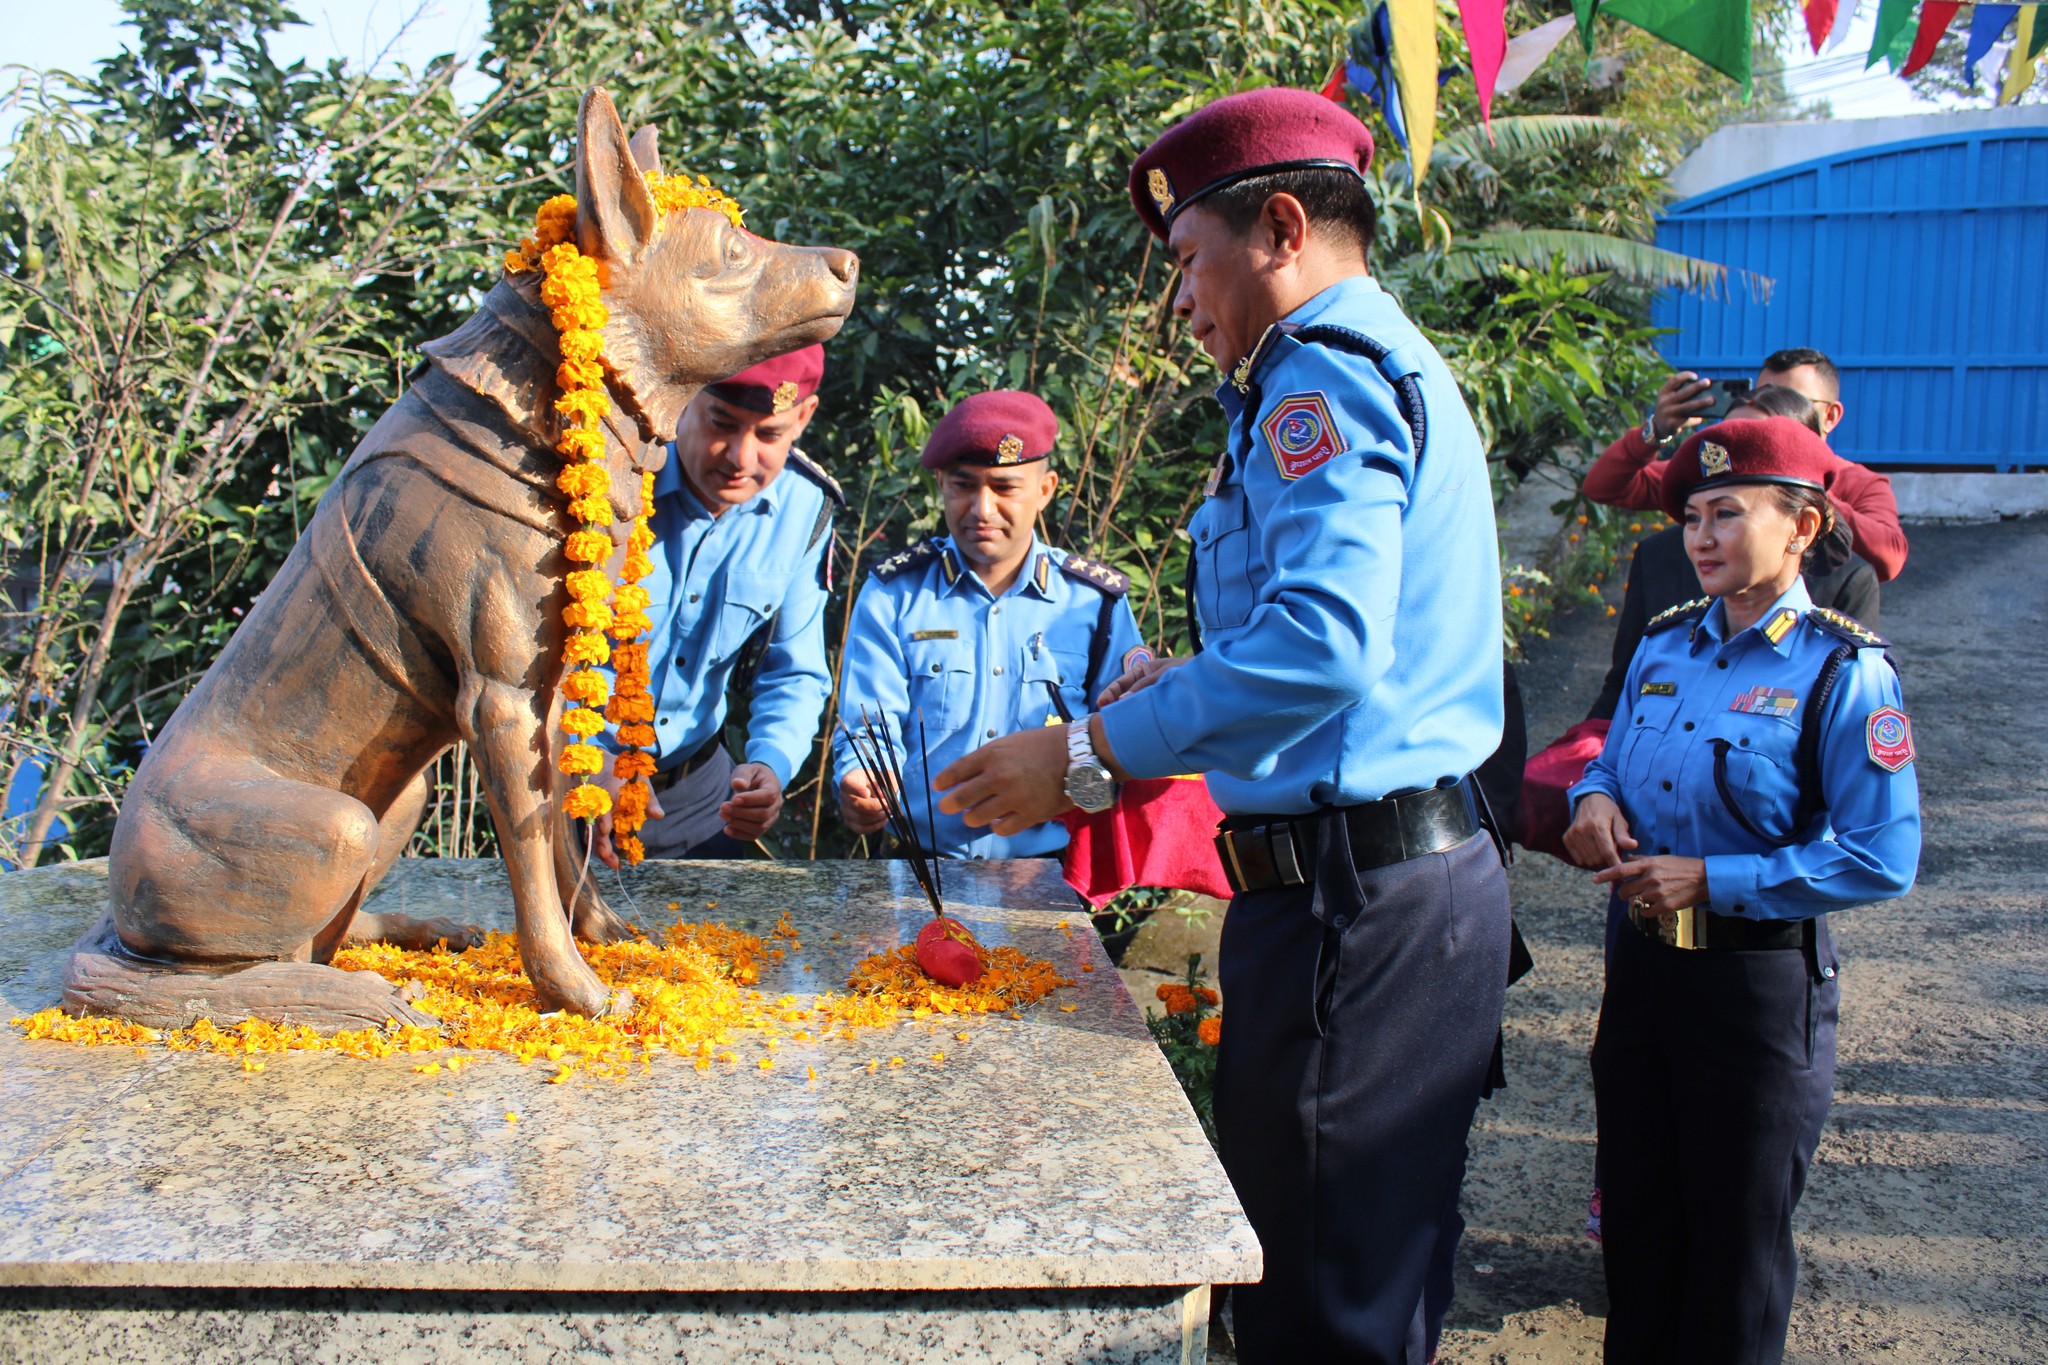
1742	150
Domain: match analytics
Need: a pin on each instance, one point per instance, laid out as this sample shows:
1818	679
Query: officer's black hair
1775	400
1792	357
1337	202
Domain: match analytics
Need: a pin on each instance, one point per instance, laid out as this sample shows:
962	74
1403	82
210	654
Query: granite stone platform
1044	1193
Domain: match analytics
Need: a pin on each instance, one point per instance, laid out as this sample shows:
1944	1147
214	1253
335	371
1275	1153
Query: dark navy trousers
1361	1014
1712	1072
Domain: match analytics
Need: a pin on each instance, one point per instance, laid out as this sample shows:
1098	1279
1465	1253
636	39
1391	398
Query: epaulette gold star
1848	628
1098	576
903	560
1671	616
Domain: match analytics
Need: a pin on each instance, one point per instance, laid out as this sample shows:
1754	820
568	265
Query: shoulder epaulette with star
900	563
1671	616
812	470
1847	627
1100	577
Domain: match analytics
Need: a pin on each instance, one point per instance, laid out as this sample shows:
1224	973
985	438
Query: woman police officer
1758	776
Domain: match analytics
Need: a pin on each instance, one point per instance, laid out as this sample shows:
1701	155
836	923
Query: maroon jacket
1630	475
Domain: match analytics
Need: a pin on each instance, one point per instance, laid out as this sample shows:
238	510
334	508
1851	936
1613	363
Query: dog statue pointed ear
645	154
615	214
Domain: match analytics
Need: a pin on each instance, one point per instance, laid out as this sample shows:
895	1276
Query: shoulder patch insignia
1100	577
1302	434
903	561
1888	734
1135	655
1684	611
1848	627
815	472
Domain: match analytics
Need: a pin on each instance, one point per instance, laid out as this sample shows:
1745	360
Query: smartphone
1726	393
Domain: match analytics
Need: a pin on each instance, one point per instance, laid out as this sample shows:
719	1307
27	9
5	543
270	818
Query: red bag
1546	814
1160	832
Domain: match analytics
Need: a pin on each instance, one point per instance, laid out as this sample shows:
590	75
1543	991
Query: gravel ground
1923	1227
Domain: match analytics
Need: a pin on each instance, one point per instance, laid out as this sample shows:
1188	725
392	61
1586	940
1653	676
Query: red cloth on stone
1548	775
1160	832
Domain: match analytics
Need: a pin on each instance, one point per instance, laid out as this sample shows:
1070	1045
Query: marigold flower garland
573	293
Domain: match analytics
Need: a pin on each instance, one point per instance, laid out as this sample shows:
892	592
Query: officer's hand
601	828
1009	784
1136	679
1683	395
756	802
1664	884
1599	832
860	805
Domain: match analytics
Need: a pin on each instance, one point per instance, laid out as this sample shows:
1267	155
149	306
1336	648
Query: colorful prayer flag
1486	34
2026	50
1845	15
1820	21
1894	36
1935	17
1412	29
1718	32
1987	24
1530	50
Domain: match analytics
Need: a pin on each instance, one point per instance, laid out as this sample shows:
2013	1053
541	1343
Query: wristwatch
1650	436
1089	784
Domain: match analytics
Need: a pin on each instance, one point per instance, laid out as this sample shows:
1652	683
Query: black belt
677	772
1704	931
1281	851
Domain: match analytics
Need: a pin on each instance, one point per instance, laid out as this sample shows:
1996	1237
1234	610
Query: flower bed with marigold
694	995
1188	1034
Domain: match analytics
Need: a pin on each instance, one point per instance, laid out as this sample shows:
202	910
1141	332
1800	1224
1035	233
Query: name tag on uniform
1660	689
934	634
1766	701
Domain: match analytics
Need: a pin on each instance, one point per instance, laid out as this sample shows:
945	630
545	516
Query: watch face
1090	787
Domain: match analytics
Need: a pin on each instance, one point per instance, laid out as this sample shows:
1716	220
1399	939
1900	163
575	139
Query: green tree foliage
215	273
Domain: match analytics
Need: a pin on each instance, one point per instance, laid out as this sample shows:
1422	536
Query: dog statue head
692	298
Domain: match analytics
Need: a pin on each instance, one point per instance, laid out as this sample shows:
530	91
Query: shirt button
693	597
1744	741
1667	786
1688	725
935	668
664	720
1720	663
999	670
1827	973
991	734
996	610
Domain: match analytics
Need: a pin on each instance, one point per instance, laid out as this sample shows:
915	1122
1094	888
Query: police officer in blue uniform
742	533
981	632
1758	777
1347	590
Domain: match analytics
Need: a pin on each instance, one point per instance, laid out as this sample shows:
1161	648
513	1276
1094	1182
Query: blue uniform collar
1041	576
669	484
1345	297
1774	626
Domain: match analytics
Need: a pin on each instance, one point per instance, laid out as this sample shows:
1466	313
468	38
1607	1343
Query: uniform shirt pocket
1044	672
1645	753
750	599
941	681
1758	756
1223	583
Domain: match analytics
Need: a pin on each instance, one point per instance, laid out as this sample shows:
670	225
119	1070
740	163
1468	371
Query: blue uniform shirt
1347	585
928	635
1691	691
716	580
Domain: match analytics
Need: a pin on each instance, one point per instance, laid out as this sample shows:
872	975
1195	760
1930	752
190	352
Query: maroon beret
1259	132
775	385
1001	427
1778	450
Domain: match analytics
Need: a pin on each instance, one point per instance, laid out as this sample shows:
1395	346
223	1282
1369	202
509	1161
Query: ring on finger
1639	905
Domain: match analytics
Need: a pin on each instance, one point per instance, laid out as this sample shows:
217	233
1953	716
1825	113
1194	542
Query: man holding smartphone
1631	472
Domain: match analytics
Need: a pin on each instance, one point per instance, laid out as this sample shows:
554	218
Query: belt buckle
1678	928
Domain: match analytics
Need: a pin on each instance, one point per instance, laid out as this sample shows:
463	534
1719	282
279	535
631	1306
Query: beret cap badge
1161	188
1010	450
785	396
1713	460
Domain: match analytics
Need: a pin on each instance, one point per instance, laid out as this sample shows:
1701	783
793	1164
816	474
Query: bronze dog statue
424	604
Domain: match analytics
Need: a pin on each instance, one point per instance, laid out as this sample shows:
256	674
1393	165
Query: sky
73	34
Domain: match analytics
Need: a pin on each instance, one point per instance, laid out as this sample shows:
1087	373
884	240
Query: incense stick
931	821
876	755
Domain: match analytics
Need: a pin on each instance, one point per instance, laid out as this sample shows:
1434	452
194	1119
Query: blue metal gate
1920	267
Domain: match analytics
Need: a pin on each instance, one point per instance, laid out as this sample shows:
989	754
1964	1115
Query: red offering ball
947	952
